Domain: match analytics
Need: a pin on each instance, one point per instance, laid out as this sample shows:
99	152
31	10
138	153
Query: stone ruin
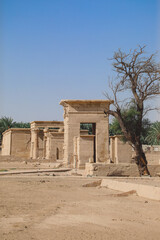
66	141
70	141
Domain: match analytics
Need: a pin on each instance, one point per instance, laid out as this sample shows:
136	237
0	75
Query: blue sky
59	49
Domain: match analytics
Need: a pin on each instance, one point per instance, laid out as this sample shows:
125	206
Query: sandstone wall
126	170
16	142
21	142
86	111
120	152
6	144
56	146
85	150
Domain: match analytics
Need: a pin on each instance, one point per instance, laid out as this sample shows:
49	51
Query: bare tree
138	76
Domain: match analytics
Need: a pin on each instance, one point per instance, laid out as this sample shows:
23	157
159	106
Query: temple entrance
91	145
90	129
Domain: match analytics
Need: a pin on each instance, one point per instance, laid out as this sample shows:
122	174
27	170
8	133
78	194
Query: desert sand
61	208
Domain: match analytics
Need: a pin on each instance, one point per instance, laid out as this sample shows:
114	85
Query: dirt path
60	208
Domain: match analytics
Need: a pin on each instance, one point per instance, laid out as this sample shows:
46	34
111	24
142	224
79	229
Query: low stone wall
128	170
18	159
148	189
153	157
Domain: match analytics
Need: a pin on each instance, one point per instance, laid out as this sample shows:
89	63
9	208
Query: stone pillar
102	140
112	149
44	146
71	130
44	142
75	140
35	145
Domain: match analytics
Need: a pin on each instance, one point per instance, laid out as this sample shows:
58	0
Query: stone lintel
56	133
116	136
87	136
47	122
87	112
16	129
76	101
39	124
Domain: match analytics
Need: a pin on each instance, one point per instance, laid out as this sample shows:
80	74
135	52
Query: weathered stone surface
66	142
126	170
16	142
142	190
120	152
47	140
85	111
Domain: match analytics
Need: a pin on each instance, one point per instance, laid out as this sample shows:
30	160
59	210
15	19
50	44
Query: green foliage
153	137
114	128
130	116
7	122
86	126
21	125
146	125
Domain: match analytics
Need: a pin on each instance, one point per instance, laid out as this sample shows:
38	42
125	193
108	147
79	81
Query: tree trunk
141	161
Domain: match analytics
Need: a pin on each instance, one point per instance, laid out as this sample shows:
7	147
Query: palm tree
153	137
21	125
5	123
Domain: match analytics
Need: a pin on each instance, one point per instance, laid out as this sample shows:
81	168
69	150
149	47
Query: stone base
20	159
142	190
123	170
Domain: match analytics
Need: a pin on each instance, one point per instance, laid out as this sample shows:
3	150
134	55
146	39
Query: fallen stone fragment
126	194
93	184
146	191
76	174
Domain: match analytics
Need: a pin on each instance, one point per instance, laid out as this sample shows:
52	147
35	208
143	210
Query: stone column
35	146
75	152
116	150
102	141
112	149
44	142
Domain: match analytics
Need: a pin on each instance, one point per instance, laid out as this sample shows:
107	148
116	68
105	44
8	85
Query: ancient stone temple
83	136
80	148
47	139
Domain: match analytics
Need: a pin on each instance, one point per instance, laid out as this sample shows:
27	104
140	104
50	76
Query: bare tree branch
140	75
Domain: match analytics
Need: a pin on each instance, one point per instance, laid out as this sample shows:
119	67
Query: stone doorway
91	130
85	111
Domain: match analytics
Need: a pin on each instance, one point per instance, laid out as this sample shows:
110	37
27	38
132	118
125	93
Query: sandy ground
10	166
59	207
153	181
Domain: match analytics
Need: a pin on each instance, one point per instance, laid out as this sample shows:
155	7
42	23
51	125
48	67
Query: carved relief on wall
65	112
